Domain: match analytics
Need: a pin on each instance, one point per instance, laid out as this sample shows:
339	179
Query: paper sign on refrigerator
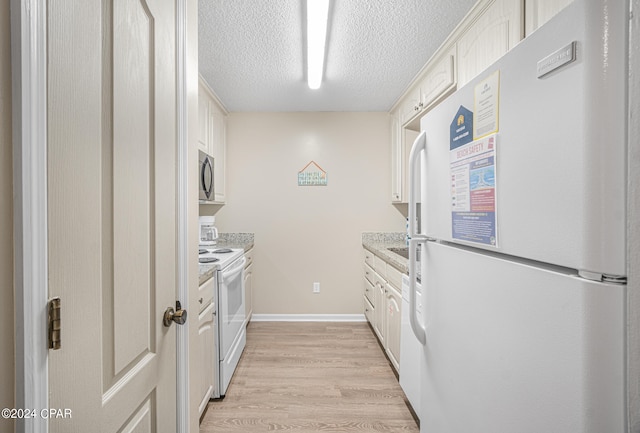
473	192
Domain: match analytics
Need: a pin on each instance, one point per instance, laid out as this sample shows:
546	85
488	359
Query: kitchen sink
402	251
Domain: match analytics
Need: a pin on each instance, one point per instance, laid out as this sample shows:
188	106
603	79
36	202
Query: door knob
179	315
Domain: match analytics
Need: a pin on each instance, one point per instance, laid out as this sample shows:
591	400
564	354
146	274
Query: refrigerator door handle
416	239
418	329
414	178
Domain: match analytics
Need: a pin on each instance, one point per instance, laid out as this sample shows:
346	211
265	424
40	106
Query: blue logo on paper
461	130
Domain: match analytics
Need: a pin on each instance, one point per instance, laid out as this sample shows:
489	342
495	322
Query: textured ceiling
251	52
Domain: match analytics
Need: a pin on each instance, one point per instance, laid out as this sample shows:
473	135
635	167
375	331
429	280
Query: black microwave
205	164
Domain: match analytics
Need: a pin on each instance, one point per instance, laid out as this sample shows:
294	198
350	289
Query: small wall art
312	175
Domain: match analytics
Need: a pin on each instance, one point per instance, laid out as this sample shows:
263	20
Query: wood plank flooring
311	377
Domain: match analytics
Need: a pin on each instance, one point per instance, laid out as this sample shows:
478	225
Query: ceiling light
317	13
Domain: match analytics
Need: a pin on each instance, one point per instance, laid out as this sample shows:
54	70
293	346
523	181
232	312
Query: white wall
7	372
313	233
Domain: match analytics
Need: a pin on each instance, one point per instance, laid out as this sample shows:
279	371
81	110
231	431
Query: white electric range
229	311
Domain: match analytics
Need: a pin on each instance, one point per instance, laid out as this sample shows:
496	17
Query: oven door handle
236	268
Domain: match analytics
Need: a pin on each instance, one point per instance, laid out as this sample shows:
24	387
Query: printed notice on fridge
486	106
473	191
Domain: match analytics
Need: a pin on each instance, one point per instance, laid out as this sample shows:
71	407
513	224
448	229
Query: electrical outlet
316	287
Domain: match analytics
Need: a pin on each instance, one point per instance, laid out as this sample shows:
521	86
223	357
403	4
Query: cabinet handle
420	105
200	300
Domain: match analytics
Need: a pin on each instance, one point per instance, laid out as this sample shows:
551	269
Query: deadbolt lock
178	315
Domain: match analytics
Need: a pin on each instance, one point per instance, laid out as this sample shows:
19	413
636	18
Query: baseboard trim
308	318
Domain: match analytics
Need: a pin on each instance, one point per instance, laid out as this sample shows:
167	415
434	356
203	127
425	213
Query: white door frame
182	347
29	77
29	73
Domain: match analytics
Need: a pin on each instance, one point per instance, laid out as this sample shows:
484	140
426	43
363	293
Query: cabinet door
408	138
219	152
410	107
378	323
538	12
248	292
496	31
393	301
439	81
203	121
206	341
397	166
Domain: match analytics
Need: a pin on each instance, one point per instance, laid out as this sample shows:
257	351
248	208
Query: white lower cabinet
369	295
382	301
392	303
248	285
368	309
206	358
378	294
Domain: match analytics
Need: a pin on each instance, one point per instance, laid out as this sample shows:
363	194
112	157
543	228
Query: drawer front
394	277
380	266
368	309
369	292
368	257
368	273
249	256
205	293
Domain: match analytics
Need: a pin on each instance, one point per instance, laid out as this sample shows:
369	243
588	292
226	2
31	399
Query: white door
112	213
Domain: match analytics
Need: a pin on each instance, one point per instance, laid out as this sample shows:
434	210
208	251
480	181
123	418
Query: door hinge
55	342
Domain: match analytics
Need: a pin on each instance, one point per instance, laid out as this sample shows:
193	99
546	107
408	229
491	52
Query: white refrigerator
523	244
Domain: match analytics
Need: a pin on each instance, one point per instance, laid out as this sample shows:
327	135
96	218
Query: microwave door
206	177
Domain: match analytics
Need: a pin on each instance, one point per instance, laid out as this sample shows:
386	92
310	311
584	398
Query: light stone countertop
225	240
378	244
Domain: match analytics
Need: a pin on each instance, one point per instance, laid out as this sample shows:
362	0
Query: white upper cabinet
538	12
219	152
212	137
397	169
438	81
498	29
410	106
203	122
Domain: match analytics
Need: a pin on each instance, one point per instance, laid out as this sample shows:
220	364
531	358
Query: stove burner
202	251
222	251
208	259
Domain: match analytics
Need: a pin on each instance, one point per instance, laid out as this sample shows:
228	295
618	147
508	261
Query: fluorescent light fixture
317	13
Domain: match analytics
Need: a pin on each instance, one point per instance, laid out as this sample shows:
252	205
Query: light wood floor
311	377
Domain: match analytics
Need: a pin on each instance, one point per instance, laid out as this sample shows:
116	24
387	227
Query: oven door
206	177
231	304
